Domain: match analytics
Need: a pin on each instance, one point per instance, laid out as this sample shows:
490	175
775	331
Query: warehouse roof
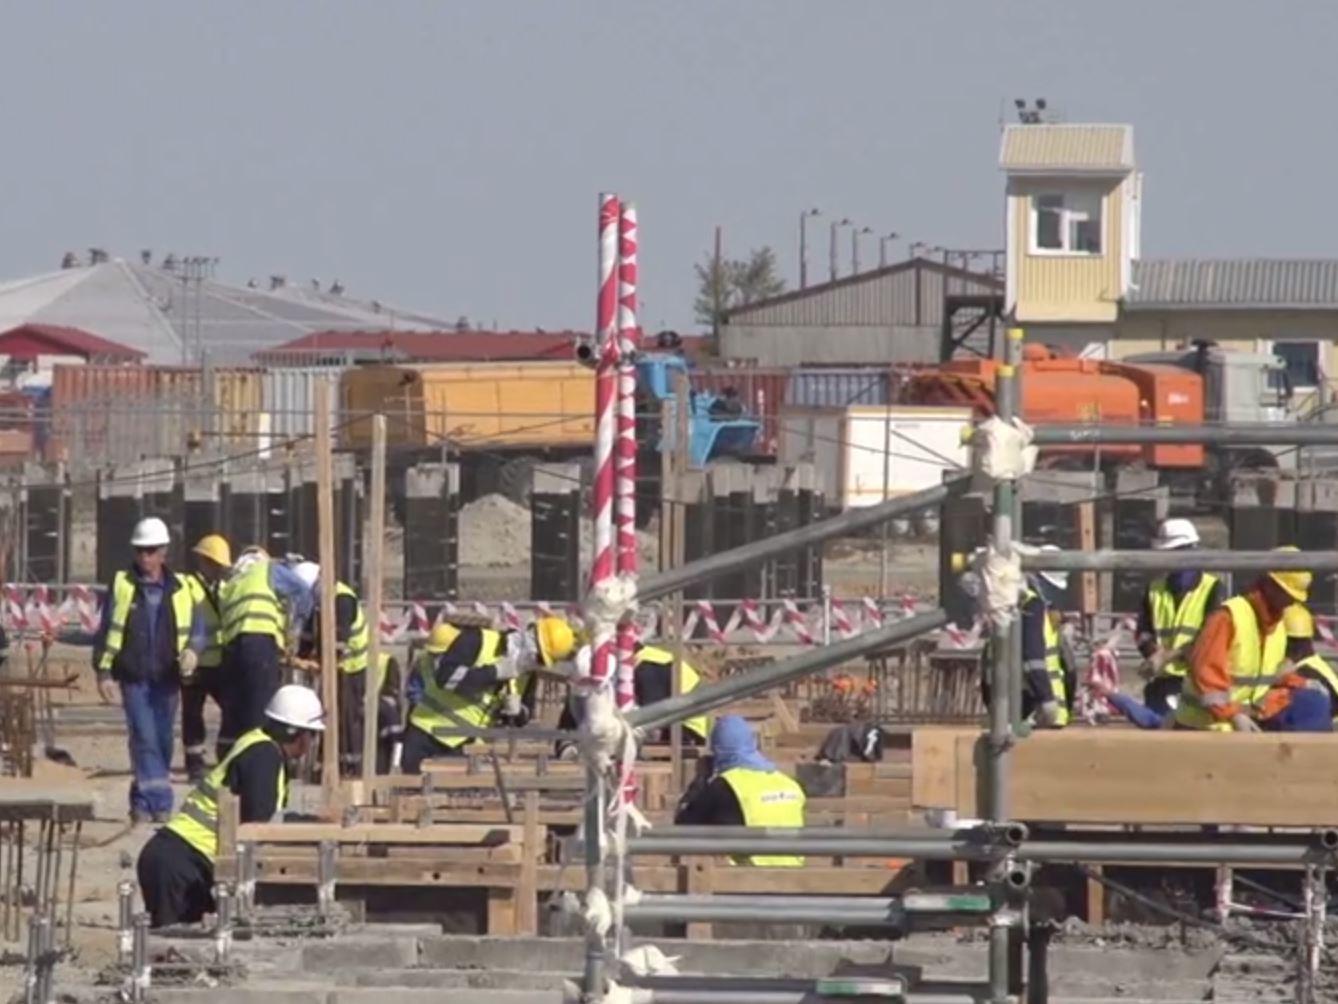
1067	149
171	319
452	345
1246	283
27	341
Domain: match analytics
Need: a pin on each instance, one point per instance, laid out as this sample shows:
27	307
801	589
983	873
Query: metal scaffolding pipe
1239	434
790	992
1011	834
880	911
1162	561
852	521
737	686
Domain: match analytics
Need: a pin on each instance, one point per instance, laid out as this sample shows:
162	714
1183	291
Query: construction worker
1239	653
144	646
213	559
259	600
737	786
1048	681
652	681
470	677
176	866
1170	616
1305	698
352	640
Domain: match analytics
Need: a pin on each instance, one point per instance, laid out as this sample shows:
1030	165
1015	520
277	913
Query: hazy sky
446	156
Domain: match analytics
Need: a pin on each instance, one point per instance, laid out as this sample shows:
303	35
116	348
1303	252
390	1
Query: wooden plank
1096	899
700	880
274	869
532	849
376	833
502	910
228	812
934	767
371	596
325	541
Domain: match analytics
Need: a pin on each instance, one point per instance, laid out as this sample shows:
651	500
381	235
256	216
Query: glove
1048	714
1244	723
188	662
584	661
511	705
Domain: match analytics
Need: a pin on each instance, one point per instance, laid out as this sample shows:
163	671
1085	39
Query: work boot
138	817
161	817
195	768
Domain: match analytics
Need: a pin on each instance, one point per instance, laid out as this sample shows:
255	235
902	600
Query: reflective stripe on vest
359	637
205	598
688	680
250	605
1054	661
1254	668
441	707
123	593
767	798
196	822
1177	625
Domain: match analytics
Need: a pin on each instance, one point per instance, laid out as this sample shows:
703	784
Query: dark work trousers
249	678
1157	691
419	746
193	696
352	694
176	880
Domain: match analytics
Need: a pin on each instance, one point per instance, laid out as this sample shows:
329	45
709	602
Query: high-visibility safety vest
359	636
196	822
767	798
1255	661
1054	661
1177	624
123	594
205	598
1315	667
250	605
441	707
688	680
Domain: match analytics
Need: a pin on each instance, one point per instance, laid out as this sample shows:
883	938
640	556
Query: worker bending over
143	645
1306	696
1048	680
176	866
212	560
470	677
737	786
1172	612
1239	654
353	639
652	681
259	600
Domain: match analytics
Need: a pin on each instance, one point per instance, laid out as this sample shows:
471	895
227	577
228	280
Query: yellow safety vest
196	822
768	798
250	606
205	598
1315	667
123	594
1177	625
441	707
359	636
1054	662
1254	666
688	678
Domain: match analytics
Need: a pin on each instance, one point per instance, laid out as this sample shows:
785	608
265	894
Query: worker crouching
1305	698
176	866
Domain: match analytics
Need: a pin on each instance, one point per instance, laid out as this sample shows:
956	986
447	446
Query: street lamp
882	247
854	247
803	245
842	222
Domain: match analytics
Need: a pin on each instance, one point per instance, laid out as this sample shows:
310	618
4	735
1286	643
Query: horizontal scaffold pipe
737	686
726	990
851	521
1241	434
1162	561
872	911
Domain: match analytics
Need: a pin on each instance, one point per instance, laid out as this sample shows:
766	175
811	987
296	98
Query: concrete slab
343	954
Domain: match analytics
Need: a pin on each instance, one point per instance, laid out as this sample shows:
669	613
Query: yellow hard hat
215	547
440	638
1295	584
1298	622
557	641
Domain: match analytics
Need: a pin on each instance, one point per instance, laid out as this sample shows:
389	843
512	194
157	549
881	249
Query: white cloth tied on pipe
1004	450
1002	582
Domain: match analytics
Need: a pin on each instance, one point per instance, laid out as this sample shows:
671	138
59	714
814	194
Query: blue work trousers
150	712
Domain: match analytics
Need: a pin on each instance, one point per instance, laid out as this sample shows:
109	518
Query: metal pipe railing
737	686
871	911
1162	561
1237	434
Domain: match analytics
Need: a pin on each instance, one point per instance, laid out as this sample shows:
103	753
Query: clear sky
446	156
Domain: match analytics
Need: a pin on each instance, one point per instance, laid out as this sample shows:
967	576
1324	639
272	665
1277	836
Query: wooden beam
325	532
376	833
371	596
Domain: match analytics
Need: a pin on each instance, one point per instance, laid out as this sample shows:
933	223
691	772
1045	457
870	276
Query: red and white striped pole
629	342
604	566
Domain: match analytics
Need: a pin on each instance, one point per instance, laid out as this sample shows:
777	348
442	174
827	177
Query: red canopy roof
27	341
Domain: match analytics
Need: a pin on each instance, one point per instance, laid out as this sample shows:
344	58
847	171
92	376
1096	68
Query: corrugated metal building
888	315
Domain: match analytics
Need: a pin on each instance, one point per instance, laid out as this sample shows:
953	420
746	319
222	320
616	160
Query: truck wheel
515	479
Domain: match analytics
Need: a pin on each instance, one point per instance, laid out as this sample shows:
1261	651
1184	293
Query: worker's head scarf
734	744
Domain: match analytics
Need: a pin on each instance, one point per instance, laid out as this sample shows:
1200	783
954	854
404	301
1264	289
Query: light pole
842	222
855	235
882	247
803	245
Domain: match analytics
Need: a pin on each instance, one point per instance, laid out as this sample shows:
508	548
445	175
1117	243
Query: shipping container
290	399
837	388
847	447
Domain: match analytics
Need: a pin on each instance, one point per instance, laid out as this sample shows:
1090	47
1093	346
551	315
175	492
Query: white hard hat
1058	579
1175	534
309	572
297	706
151	532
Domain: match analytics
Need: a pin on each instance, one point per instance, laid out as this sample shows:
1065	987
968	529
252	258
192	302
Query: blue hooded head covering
734	744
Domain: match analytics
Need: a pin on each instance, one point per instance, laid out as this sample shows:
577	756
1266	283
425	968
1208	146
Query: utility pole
717	283
803	245
842	222
882	248
854	247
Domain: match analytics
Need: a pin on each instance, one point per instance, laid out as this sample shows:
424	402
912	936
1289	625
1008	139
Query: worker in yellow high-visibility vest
1305	698
176	866
1048	680
213	560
